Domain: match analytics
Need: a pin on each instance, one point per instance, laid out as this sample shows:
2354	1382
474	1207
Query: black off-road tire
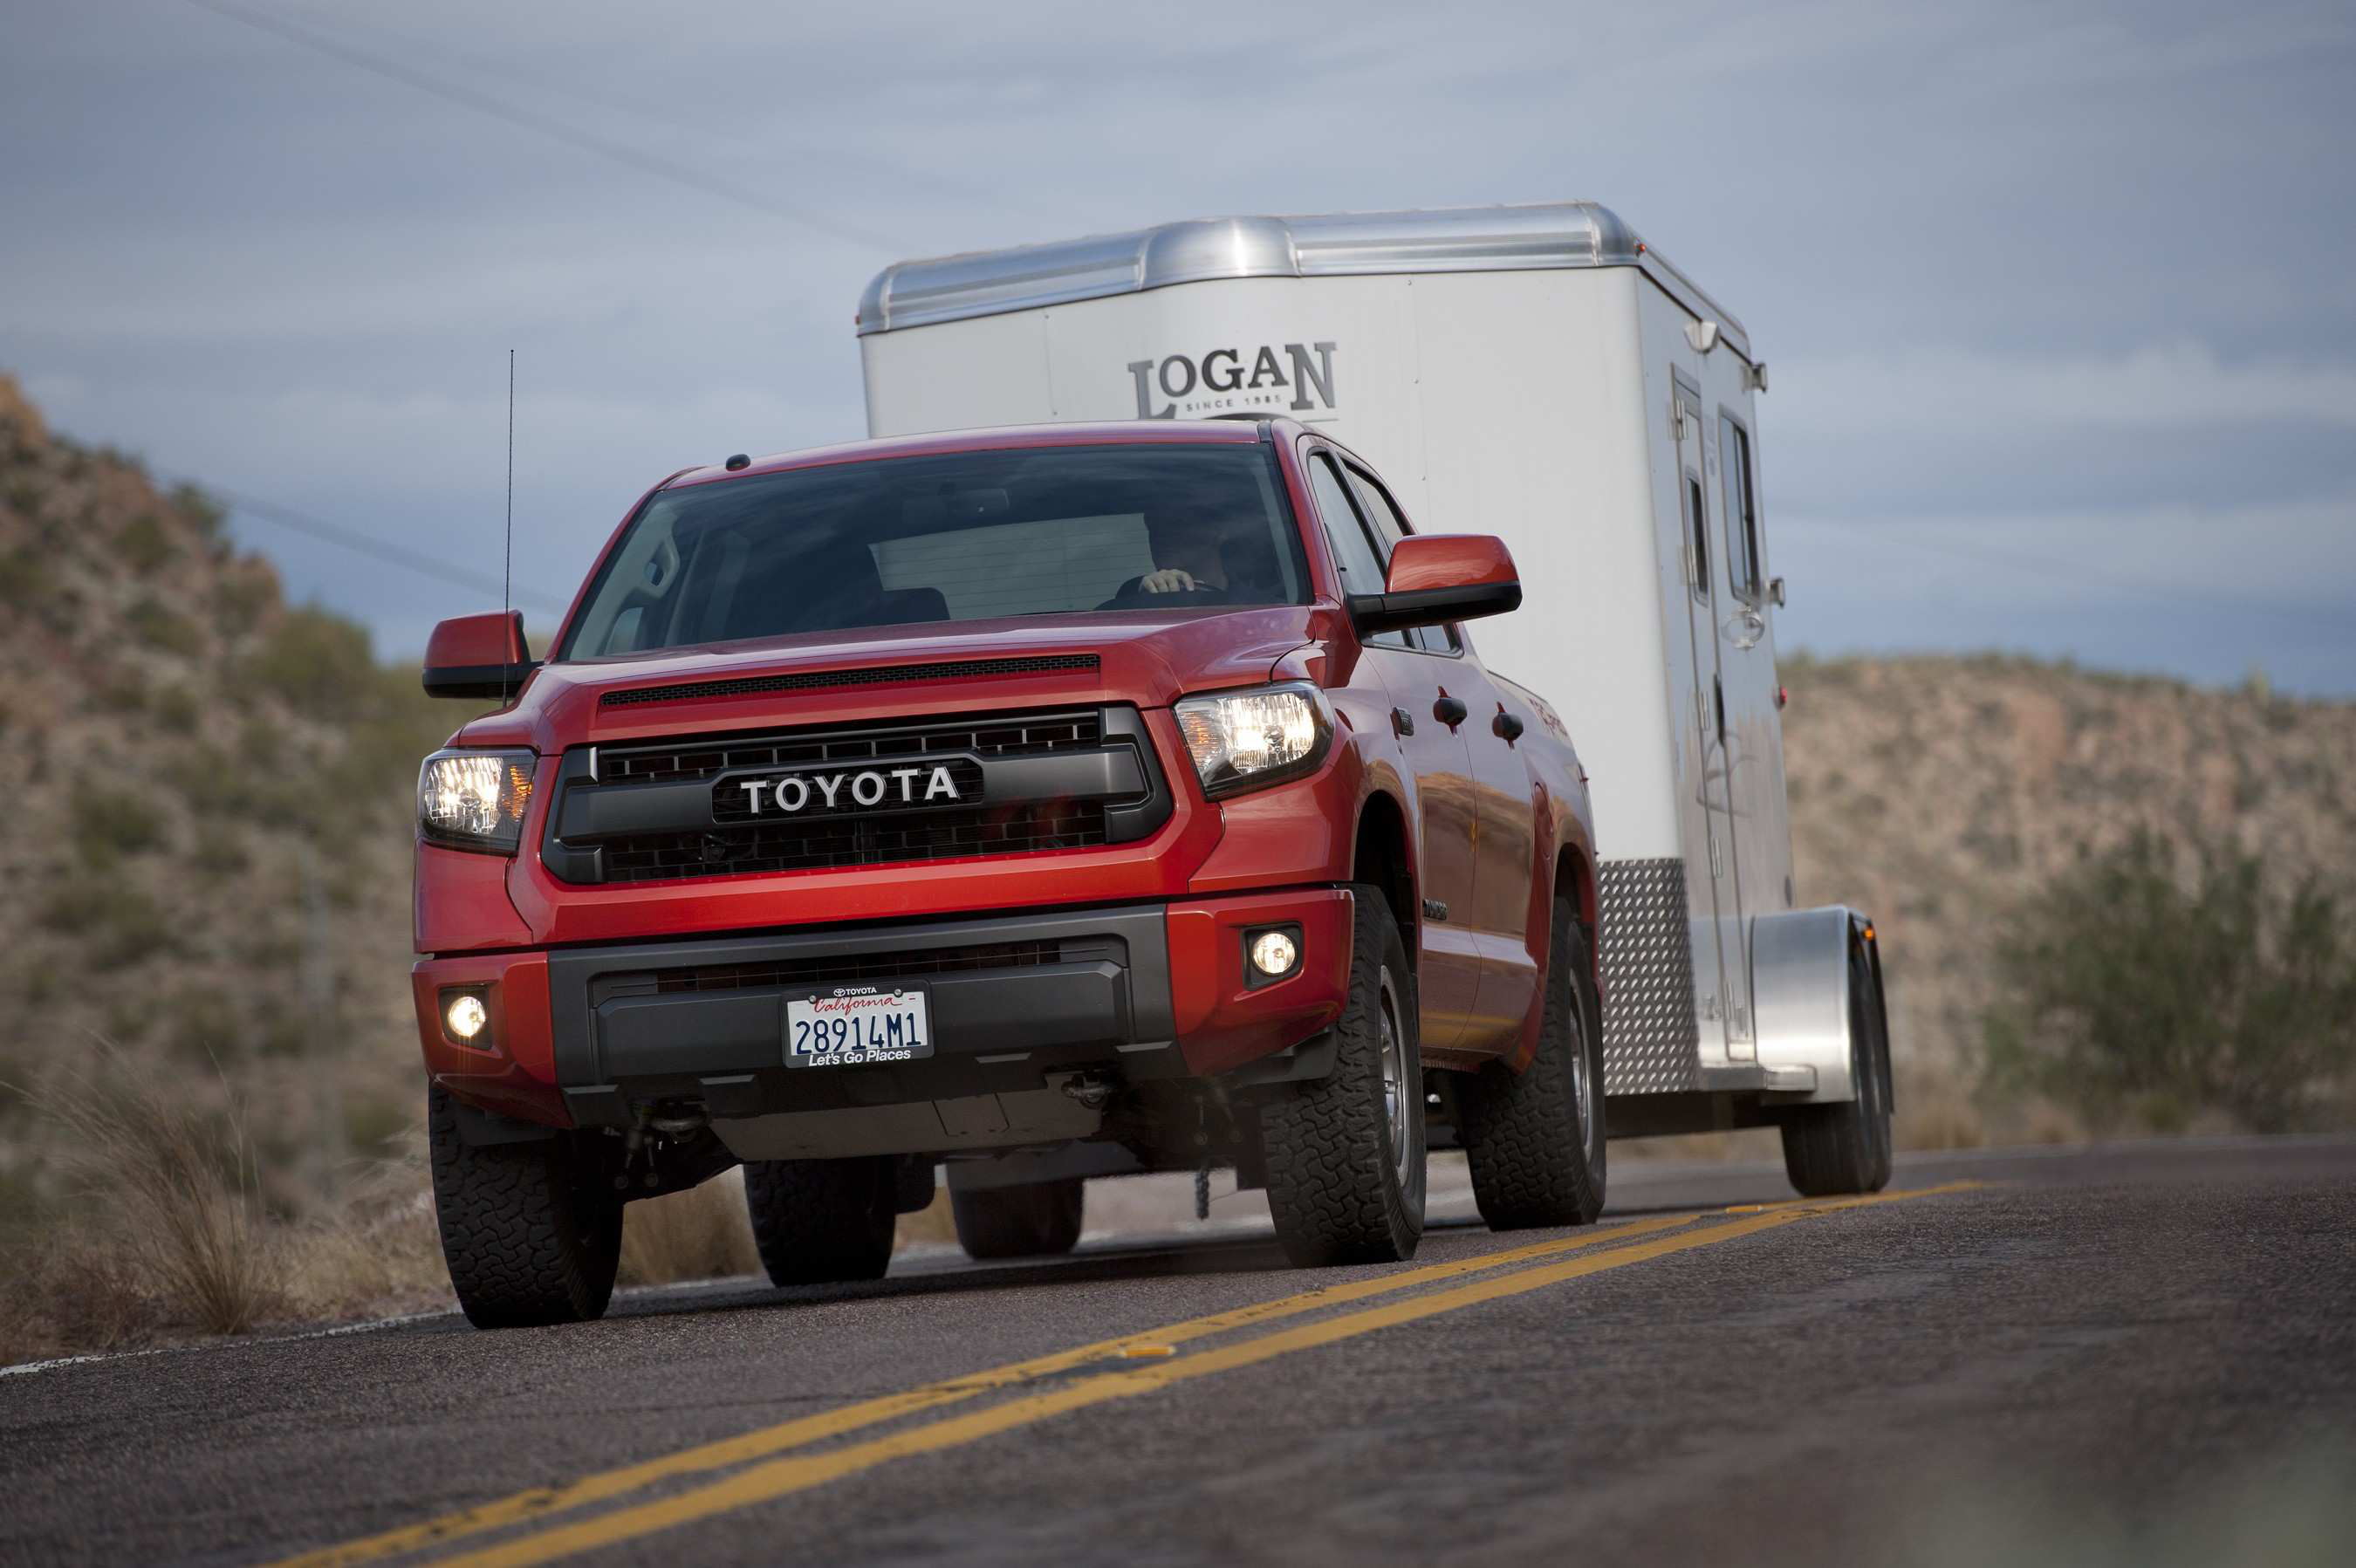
1343	1186
1039	1219
1531	1163
1830	1150
818	1221
532	1231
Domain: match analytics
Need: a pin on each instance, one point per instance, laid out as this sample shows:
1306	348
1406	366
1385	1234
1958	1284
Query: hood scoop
868	675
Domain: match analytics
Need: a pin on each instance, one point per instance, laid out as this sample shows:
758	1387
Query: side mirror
1440	577
478	656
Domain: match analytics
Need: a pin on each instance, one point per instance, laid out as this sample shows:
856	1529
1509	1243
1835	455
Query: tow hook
1093	1090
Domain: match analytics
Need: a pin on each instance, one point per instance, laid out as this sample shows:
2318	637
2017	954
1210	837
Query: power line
364	544
609	103
547	126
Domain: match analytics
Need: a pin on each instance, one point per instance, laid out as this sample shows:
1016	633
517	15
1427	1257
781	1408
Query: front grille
672	809
871	675
997	735
811	844
850	970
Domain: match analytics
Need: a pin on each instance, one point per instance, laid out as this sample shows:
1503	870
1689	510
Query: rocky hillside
205	849
1941	794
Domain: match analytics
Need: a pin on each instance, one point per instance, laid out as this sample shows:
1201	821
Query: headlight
1240	740
475	799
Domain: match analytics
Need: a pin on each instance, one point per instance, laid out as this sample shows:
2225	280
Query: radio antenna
507	563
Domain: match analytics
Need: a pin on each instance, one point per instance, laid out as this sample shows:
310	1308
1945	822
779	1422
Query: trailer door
1725	1008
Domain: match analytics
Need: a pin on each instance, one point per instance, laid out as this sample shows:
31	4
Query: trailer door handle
1449	711
1505	727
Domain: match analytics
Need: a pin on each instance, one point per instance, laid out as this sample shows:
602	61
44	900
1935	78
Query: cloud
2048	282
1933	390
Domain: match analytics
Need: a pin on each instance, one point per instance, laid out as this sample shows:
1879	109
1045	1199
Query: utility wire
364	544
608	105
548	125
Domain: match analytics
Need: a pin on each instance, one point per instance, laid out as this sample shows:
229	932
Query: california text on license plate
856	1024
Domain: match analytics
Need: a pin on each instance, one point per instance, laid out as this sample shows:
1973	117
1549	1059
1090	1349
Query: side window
1353	552
1389	528
1697	536
1742	565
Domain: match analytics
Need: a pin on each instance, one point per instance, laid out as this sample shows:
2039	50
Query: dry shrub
69	1293
1935	1110
930	1223
177	1237
700	1234
379	1254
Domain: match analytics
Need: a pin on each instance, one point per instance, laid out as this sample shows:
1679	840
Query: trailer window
950	537
1697	538
1742	563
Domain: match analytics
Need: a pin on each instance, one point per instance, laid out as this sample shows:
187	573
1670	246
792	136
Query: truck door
1725	1009
1504	814
1448	959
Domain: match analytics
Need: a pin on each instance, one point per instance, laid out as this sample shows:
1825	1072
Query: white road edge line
332	1332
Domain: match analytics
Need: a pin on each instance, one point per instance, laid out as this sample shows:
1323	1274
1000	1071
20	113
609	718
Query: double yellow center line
764	1477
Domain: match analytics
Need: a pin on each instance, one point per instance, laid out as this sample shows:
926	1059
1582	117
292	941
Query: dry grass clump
930	1223
175	1236
700	1234
379	1254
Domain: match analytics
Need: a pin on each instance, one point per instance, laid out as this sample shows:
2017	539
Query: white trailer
1541	374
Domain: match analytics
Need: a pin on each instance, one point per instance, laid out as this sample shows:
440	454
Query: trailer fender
1800	984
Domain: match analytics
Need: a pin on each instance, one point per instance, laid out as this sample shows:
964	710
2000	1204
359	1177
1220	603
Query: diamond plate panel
1652	1043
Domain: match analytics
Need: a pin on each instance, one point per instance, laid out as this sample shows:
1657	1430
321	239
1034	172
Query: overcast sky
2058	299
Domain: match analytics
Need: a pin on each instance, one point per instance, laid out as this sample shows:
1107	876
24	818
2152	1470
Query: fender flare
1800	996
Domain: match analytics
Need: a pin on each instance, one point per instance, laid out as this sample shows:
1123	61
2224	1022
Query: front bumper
588	1036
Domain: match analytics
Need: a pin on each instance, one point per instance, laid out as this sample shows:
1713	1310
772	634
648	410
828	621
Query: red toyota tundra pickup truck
1037	803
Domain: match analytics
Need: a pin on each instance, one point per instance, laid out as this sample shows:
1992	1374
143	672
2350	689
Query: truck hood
1150	660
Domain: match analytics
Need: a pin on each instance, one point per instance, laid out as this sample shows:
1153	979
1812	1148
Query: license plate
856	1026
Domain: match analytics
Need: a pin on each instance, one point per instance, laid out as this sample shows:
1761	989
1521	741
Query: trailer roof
1526	237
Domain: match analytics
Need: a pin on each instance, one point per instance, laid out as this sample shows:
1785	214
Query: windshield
964	536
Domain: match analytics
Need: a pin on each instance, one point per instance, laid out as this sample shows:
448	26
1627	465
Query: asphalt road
2134	1354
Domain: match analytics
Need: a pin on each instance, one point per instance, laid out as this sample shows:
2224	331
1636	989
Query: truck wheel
1035	1221
531	1234
1845	1147
1534	1139
1345	1155
818	1221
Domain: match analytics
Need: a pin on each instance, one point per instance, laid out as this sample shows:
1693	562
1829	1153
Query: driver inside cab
1195	555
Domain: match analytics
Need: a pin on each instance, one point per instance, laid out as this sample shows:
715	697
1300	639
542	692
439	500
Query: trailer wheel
816	1221
1037	1219
1845	1147
531	1234
1345	1153
1534	1138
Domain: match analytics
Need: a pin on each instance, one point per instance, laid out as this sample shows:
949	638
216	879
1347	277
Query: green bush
205	1026
110	823
200	509
25	578
315	661
178	710
146	543
158	626
120	925
2140	998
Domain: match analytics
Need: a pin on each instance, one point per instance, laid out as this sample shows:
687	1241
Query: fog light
466	1016
1274	953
